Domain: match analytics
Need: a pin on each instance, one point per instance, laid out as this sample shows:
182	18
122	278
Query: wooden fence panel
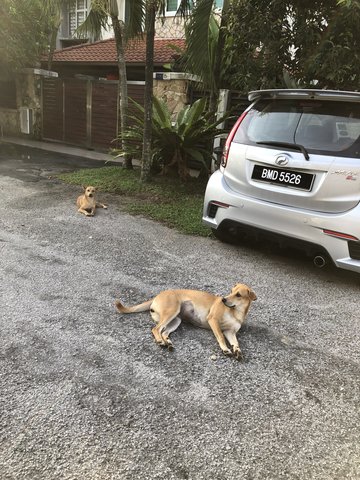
75	112
104	114
136	92
84	112
52	107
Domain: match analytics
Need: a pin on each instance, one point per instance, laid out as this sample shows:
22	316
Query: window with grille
171	5
77	15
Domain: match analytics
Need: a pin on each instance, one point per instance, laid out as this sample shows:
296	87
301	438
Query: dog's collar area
226	305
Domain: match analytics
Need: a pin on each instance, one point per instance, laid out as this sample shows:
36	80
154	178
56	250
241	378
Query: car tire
226	235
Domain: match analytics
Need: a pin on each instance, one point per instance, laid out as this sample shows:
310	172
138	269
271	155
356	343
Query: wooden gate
83	112
52	109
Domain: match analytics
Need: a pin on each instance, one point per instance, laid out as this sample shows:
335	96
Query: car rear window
328	127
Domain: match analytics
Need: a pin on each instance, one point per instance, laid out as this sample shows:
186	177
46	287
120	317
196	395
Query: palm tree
53	10
98	18
176	143
206	28
202	29
151	9
144	12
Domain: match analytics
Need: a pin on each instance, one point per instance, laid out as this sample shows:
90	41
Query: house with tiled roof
74	15
77	103
80	105
99	59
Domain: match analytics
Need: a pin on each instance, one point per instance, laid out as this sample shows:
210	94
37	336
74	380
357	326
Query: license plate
279	176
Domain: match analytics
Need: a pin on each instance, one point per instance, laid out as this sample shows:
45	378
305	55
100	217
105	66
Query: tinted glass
172	5
320	126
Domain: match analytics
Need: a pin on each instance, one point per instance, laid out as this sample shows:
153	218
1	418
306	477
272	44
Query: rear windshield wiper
294	146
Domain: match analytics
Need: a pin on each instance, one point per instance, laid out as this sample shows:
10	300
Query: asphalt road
86	394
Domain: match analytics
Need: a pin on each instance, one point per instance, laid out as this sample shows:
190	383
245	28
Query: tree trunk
183	170
122	89
52	44
148	95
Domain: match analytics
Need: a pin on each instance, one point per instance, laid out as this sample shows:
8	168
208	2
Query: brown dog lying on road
223	315
86	202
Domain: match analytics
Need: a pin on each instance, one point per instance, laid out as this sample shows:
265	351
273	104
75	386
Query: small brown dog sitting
86	202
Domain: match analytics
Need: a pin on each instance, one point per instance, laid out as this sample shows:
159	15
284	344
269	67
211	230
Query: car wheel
226	234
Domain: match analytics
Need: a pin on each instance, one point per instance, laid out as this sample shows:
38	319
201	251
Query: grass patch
165	200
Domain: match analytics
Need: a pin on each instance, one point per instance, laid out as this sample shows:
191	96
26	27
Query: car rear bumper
301	225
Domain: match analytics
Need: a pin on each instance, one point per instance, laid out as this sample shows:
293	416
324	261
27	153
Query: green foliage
207	27
96	20
184	214
335	62
108	179
257	48
316	42
202	29
164	200
175	143
25	27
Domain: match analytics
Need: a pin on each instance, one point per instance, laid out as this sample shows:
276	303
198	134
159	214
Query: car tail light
344	236
229	139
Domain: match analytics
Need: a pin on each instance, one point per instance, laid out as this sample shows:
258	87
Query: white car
291	169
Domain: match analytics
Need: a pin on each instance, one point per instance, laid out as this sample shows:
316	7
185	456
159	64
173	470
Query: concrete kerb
73	151
64	149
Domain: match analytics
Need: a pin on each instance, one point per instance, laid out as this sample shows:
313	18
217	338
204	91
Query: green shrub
179	145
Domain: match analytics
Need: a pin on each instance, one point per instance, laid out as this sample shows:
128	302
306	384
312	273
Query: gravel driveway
85	393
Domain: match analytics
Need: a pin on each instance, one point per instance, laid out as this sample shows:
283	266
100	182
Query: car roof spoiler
308	94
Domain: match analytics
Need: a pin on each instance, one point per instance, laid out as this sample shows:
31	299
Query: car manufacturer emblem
281	160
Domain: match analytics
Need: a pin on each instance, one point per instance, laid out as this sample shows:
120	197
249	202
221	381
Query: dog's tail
142	307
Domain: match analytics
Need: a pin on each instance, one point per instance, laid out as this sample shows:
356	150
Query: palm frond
193	114
112	7
161	112
189	138
51	5
180	117
136	19
94	23
161	8
184	8
137	106
197	34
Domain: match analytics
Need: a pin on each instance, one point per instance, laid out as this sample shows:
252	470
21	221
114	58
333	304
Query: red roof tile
104	51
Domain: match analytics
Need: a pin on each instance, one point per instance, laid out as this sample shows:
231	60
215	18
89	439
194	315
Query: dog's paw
228	353
238	355
105	206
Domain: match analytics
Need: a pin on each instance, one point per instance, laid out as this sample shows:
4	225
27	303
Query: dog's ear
252	295
84	187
